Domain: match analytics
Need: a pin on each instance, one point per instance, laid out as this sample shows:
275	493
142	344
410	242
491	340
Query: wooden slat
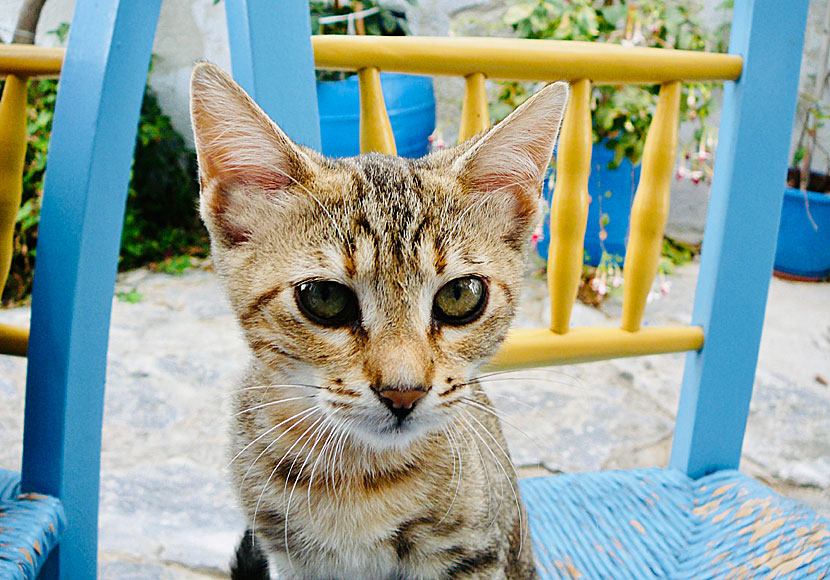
14	340
475	116
375	128
537	347
522	59
651	207
26	60
569	207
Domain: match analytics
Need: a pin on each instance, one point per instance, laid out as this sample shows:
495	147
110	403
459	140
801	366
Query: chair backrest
761	71
583	64
85	188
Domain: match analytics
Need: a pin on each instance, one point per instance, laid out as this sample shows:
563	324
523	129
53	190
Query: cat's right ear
246	162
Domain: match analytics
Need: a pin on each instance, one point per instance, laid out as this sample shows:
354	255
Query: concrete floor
168	513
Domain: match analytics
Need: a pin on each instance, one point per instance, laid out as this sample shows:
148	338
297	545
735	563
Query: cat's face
385	281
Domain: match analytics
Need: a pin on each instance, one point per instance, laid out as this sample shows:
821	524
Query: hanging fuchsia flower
537	235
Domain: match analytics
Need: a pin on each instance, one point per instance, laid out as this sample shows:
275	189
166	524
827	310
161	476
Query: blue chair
699	518
49	511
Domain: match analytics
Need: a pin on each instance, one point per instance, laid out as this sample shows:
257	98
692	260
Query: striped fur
333	485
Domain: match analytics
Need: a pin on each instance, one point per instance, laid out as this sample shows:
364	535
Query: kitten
371	291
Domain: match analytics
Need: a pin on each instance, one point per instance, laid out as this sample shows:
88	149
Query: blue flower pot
803	252
611	191
410	103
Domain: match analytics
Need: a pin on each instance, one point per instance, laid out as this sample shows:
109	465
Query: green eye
460	301
327	303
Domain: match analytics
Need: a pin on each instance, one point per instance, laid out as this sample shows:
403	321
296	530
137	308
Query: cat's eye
460	301
327	303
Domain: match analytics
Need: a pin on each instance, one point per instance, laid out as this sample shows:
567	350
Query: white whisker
510	481
503	418
299	417
263	405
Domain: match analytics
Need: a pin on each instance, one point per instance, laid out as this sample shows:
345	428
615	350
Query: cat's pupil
328	303
460	301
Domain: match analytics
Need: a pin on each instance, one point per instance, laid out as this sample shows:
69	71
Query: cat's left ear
512	157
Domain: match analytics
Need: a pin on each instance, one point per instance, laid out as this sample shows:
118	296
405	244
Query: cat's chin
393	436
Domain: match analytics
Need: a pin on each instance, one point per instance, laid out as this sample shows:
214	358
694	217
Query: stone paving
168	513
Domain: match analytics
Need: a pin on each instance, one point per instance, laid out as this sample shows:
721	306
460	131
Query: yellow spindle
569	209
651	207
13	340
12	156
475	116
375	129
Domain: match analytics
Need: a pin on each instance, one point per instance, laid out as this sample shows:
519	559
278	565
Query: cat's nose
401	402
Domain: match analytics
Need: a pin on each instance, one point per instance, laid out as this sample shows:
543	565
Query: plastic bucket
803	251
410	103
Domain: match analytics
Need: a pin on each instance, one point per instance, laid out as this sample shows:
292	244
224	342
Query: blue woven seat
660	524
31	525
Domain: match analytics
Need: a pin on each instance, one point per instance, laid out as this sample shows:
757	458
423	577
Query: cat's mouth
381	429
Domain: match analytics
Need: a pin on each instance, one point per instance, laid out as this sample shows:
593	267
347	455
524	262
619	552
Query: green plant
133	296
622	114
813	113
161	220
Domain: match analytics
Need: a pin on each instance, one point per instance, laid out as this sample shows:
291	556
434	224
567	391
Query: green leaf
132	296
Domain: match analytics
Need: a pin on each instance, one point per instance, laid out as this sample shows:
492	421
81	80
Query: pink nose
401	403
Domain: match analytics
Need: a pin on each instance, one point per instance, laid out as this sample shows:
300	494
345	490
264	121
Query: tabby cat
371	290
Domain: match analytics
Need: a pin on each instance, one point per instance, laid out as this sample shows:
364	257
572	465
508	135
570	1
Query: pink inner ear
251	164
512	170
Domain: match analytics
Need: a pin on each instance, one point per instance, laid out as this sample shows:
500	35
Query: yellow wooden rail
521	59
25	60
17	64
536	347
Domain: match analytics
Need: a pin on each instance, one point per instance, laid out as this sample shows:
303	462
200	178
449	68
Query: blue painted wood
88	170
744	209
272	59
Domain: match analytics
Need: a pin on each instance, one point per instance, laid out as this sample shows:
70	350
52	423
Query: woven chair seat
30	526
658	523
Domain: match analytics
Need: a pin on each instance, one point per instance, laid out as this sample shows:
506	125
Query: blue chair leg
741	226
272	59
93	136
